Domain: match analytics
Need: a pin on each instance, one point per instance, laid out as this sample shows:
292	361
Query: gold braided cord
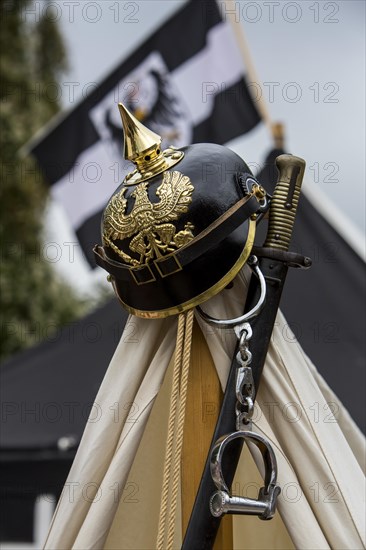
170	437
171	476
180	427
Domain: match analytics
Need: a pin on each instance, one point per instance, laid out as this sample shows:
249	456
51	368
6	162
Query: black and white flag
187	89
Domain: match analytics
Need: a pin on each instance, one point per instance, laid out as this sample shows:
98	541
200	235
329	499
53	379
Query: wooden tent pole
229	11
203	406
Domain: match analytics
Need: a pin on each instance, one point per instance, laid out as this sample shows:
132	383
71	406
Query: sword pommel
284	201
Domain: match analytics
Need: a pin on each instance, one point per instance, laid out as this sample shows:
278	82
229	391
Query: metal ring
230	323
247	359
248	404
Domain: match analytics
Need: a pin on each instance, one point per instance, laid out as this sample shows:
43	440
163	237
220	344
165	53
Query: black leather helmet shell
179	238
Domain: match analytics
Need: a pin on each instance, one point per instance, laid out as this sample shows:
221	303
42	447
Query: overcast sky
309	56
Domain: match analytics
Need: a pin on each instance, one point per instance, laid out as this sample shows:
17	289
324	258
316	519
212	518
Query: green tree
33	297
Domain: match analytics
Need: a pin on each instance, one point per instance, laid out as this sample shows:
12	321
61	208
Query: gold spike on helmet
180	226
143	147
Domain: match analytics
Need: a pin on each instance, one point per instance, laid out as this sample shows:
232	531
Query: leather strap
176	261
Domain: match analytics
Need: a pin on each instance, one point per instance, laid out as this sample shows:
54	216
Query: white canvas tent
319	449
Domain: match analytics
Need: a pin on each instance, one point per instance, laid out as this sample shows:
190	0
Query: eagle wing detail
175	194
118	226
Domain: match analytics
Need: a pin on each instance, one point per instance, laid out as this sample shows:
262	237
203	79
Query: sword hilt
284	201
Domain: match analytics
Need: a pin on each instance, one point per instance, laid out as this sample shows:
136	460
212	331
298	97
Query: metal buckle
222	502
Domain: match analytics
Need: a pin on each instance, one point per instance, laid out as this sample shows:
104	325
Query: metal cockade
222	502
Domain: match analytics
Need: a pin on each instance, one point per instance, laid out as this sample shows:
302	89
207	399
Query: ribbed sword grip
284	201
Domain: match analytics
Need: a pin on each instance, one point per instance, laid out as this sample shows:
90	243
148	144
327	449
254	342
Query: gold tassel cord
171	476
171	426
180	426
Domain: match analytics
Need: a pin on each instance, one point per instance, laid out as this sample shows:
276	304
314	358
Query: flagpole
247	59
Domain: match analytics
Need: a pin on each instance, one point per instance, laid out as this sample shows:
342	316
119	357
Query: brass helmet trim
209	293
143	148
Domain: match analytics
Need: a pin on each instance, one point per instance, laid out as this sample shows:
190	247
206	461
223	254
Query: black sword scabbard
202	528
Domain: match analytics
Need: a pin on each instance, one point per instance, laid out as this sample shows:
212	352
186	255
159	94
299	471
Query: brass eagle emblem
149	224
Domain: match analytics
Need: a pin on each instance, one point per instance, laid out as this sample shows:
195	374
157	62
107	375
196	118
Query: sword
274	260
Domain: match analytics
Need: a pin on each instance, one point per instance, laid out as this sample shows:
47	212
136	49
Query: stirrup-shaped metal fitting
222	503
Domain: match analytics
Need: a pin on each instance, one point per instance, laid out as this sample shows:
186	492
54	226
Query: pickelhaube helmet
180	226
